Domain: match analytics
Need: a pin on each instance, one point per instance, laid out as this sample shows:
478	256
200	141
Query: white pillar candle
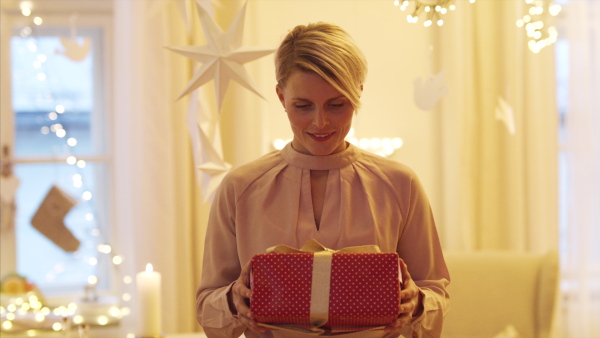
148	301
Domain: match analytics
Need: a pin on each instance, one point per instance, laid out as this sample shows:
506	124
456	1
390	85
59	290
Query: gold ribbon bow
321	277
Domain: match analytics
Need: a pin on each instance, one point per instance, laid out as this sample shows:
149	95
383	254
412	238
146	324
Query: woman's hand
411	303
238	298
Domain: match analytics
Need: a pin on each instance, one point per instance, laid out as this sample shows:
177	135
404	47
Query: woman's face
320	116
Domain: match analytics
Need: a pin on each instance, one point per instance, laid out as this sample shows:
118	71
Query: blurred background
491	103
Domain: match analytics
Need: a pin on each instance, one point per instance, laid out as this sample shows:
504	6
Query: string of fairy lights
537	21
431	10
28	312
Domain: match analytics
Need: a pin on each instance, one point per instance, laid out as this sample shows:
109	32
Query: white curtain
580	157
501	188
158	214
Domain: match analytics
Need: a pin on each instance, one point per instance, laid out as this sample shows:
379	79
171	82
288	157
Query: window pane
41	260
52	96
57	100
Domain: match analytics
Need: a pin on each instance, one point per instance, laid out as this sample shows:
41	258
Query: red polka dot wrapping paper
364	290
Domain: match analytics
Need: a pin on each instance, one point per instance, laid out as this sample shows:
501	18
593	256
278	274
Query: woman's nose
320	119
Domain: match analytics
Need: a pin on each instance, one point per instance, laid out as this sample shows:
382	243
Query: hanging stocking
49	219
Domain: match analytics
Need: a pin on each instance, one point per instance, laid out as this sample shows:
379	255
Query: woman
320	187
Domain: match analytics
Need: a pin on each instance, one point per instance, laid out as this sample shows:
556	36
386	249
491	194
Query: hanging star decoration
206	146
505	114
213	166
223	58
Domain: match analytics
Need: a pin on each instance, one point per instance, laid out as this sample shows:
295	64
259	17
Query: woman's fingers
241	293
409	298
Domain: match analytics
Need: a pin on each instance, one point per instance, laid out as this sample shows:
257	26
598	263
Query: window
61	140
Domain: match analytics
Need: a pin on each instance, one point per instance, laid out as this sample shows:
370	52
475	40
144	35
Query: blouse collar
327	162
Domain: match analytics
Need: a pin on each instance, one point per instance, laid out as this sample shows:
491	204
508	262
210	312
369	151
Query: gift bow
321	277
314	246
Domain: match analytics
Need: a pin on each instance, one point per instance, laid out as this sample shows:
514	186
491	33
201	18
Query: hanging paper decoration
74	48
505	114
431	10
539	23
49	217
427	93
206	146
223	58
213	166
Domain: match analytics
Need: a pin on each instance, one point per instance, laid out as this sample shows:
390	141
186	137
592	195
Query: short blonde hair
326	50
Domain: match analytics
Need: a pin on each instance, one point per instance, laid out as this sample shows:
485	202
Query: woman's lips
321	137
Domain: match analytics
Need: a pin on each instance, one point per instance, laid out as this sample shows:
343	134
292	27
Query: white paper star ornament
213	167
223	57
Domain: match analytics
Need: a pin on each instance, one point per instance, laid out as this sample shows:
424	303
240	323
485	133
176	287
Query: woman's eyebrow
331	99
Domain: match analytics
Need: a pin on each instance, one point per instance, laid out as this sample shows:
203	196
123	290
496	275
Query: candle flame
149	269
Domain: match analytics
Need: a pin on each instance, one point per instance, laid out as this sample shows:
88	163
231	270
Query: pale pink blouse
368	200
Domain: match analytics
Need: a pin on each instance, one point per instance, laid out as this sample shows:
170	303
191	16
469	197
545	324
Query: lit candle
148	300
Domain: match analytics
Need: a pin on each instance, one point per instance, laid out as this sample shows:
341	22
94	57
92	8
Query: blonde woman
320	187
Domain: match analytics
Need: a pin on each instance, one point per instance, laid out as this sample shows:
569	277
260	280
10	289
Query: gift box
325	290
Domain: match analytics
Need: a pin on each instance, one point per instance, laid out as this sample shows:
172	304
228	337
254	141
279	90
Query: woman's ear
280	95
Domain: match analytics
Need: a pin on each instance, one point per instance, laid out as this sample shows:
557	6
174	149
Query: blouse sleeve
420	248
220	268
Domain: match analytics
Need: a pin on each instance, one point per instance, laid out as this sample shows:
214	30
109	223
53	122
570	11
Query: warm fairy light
61	133
52	116
45	130
93	261
81	164
37	21
72	141
71	160
104	248
39	317
55	127
86	196
7	324
432	10
126	297
102	320
11	316
117	260
60	108
114	311
57	326
78	319
127	280
92	280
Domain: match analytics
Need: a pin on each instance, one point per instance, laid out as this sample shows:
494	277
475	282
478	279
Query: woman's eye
337	105
302	106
